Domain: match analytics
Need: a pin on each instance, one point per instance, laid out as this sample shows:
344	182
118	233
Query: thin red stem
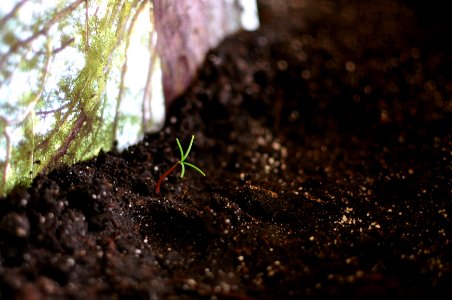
166	174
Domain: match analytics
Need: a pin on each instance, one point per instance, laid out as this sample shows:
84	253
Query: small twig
87	26
43	31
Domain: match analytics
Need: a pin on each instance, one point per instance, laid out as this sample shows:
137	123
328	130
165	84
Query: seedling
181	162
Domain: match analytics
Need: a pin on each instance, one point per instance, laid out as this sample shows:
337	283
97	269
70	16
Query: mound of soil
326	140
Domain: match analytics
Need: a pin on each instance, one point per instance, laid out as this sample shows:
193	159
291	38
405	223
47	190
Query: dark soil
326	139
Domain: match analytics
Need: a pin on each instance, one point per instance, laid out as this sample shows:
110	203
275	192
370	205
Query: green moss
79	127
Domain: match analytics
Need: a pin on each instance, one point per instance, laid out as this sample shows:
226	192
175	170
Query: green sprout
181	162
